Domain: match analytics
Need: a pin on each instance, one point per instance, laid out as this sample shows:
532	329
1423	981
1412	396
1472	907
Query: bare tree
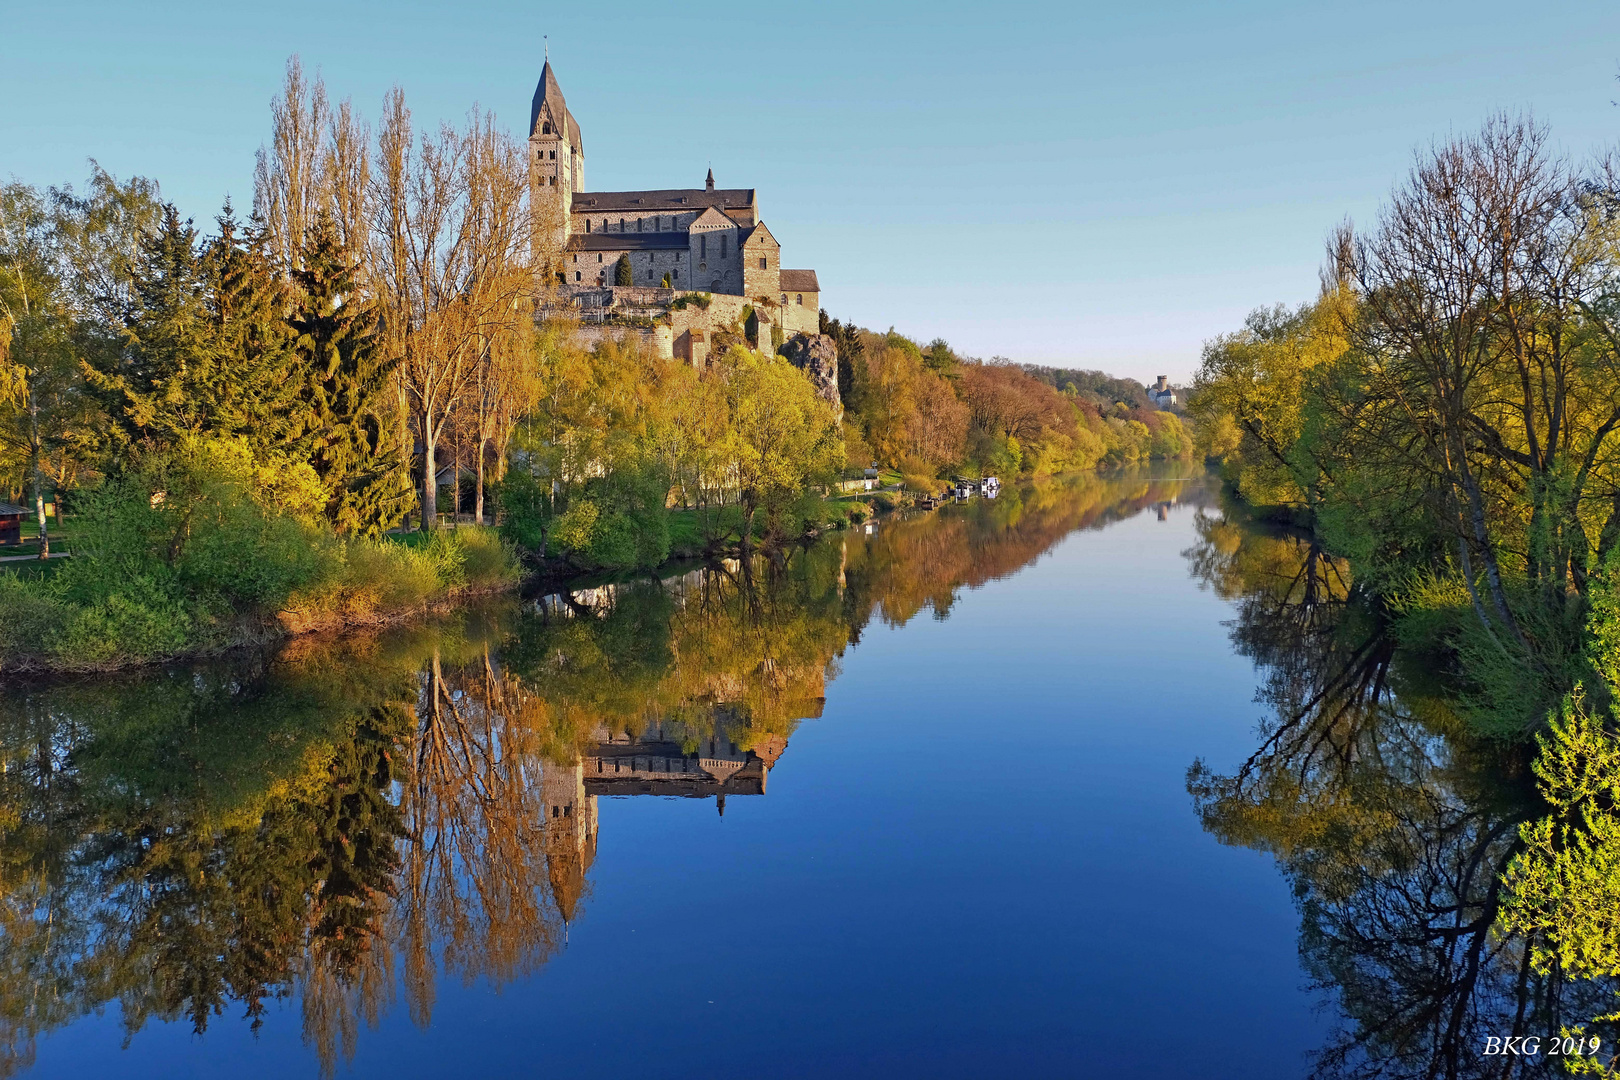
290	181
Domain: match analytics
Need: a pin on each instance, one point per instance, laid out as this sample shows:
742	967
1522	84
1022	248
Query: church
675	241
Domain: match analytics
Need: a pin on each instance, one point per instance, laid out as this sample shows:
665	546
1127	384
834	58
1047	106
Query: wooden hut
11	517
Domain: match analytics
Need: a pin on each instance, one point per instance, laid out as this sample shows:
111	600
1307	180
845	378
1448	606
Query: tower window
599	257
545	129
576	259
576	275
762	264
552	181
554	155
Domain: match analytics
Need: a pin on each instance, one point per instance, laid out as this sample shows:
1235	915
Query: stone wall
592	268
802	318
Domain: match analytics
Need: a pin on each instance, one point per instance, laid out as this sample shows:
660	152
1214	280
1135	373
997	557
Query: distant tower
708	184
556	169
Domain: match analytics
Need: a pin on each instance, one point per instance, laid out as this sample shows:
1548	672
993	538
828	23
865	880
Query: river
1088	780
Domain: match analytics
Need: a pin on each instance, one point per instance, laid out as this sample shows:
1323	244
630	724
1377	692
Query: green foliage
347	414
186	554
1564	887
623	272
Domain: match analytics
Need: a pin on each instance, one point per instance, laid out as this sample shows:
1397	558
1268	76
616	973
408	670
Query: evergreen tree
347	393
622	272
261	376
206	351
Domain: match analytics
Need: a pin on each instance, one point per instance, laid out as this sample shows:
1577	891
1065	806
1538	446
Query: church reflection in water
649	763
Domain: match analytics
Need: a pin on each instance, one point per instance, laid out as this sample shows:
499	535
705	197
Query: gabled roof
711	219
549	94
631	241
800	281
10	509
759	234
596	202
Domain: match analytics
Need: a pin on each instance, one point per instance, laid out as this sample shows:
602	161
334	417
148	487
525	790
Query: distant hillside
1098	387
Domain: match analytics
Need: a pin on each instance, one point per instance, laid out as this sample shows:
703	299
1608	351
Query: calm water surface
912	802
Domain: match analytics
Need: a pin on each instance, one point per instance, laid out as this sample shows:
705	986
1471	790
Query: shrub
485	559
142	622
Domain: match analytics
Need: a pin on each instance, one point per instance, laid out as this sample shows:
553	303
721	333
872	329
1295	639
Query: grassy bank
196	556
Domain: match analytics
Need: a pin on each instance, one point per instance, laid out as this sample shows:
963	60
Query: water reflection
348	822
1392	823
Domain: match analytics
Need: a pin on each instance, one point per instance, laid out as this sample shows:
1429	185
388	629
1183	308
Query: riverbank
107	610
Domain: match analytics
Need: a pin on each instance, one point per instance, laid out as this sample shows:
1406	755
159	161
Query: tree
207	350
348	398
36	356
623	274
451	247
783	436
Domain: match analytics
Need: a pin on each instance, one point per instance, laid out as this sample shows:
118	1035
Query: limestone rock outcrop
816	356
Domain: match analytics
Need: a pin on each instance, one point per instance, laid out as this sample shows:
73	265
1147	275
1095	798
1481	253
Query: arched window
621	224
576	259
703	246
598	256
554	155
762	263
638	224
722	246
545	128
576	275
587	224
799	299
784	299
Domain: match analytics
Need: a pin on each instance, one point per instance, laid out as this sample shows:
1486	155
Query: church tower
556	171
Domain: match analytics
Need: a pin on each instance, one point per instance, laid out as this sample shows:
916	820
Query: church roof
671	199
628	241
759	233
800	281
549	93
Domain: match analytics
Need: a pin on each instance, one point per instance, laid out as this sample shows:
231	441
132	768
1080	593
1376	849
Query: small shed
11	516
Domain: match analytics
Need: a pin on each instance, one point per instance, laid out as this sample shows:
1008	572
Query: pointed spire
708	185
550	96
720	803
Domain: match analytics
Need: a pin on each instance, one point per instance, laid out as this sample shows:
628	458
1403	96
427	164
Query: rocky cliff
816	356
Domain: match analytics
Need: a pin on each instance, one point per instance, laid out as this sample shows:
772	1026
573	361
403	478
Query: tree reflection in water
1393	826
348	821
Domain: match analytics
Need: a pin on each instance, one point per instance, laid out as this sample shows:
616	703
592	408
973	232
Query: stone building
676	241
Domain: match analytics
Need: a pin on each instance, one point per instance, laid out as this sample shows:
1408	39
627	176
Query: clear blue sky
1095	185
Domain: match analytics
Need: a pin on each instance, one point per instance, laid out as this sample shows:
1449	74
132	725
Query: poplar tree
622	272
348	391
